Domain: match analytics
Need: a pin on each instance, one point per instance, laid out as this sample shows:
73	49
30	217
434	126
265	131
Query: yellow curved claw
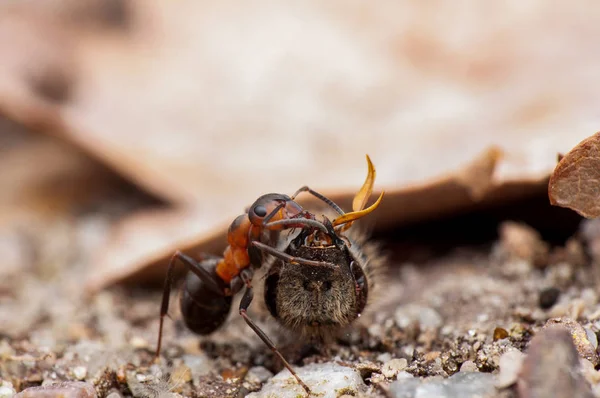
348	218
362	196
360	200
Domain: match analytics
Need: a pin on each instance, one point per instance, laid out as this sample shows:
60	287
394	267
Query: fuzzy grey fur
316	302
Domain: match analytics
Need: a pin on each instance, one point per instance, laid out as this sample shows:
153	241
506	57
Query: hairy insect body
317	302
312	300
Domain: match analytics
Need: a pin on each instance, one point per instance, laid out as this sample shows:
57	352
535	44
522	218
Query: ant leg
293	222
322	197
193	266
244	304
201	272
272	213
286	257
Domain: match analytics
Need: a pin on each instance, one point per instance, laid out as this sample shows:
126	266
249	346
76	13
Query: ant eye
260	211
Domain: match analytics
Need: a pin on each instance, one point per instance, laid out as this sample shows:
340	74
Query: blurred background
130	128
203	107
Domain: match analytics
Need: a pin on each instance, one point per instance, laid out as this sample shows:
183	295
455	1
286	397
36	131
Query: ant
208	290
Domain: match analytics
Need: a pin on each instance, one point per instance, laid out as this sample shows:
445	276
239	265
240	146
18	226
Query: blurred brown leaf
210	105
143	243
575	182
43	177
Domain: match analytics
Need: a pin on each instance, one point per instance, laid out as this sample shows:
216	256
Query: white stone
469	366
427	317
392	367
7	390
327	380
80	372
510	365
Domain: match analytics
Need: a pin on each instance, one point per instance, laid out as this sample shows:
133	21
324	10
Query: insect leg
286	257
193	266
272	213
322	197
293	222
244	304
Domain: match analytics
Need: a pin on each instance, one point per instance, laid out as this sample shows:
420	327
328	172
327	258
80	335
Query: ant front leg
194	267
290	259
295	222
244	304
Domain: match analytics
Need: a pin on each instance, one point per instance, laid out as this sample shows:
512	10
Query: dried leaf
575	182
210	106
206	122
142	244
478	177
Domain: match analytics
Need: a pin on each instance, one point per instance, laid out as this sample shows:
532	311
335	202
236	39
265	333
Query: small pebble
589	372
589	297
7	390
404	375
138	342
510	366
258	375
559	310
114	394
469	366
584	346
520	241
500	333
386	356
367	368
431	356
326	380
548	297
426	317
377	378
459	385
576	308
590	232
592	337
551	368
80	372
391	368
199	364
71	389
560	274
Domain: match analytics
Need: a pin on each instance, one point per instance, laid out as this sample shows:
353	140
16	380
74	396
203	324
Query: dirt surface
446	306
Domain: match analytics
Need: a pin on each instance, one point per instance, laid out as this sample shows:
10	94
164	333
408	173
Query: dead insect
318	300
207	293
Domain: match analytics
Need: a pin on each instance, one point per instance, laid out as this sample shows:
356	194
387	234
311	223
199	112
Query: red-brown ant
207	293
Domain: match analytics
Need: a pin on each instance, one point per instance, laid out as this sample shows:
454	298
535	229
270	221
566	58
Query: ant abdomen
203	309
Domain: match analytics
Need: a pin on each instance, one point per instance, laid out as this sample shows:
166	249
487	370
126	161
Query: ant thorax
316	300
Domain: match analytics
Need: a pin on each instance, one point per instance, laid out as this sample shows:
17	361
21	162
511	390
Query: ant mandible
207	294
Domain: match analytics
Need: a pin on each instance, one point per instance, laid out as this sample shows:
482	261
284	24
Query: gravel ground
456	324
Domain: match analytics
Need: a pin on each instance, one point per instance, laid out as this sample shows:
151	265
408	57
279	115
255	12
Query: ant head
272	207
